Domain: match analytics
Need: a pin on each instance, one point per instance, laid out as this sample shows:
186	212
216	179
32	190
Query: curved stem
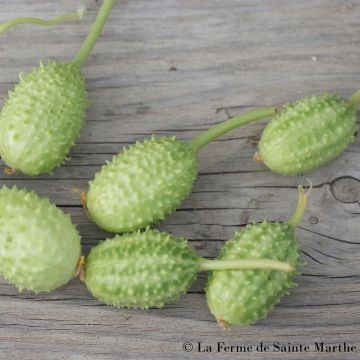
79	14
300	209
355	98
199	141
238	264
94	33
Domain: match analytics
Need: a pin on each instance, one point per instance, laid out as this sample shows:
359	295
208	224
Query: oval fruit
142	184
307	134
38	127
241	297
141	270
39	246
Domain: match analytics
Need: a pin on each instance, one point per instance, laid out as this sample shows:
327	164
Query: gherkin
308	133
39	246
151	268
242	297
41	119
150	179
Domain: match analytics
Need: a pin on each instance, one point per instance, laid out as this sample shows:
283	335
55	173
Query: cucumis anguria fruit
242	297
151	268
150	179
39	246
309	133
42	117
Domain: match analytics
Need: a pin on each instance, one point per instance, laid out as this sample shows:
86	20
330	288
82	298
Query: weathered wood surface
178	67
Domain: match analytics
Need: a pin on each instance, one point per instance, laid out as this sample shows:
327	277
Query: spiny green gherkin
41	119
242	297
307	134
39	246
142	184
150	179
150	269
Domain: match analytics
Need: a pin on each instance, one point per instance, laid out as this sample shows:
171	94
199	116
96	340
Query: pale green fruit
39	246
42	118
242	297
142	184
307	134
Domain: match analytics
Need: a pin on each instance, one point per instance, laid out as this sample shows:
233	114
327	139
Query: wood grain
178	67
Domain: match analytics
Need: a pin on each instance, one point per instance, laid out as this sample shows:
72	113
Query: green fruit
141	269
241	297
39	246
149	269
307	134
38	127
150	179
142	184
42	117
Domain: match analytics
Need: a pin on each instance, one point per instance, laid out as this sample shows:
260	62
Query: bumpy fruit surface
39	246
141	270
41	119
307	134
142	184
241	297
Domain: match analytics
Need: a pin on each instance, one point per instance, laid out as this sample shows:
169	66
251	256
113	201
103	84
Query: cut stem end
79	14
355	98
10	171
300	209
80	268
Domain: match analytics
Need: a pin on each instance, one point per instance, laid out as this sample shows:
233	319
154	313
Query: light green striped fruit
142	184
241	297
39	246
307	134
141	270
41	119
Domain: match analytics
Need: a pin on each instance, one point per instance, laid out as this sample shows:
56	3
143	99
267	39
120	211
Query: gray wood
178	67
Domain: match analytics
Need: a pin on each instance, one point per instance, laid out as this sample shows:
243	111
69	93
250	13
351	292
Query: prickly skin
41	119
307	134
39	246
241	297
141	270
142	184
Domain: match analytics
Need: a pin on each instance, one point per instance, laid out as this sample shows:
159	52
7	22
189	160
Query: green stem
300	209
199	141
355	98
94	33
239	264
79	14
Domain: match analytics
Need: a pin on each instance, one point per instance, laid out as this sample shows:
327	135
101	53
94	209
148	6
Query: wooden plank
179	67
